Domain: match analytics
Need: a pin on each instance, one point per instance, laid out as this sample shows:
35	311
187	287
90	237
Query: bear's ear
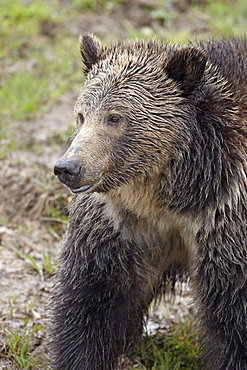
91	51
186	67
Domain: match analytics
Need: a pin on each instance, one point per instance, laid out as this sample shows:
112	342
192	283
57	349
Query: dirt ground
24	293
24	299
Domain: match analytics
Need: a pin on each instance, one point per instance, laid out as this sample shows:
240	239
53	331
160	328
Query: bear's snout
69	172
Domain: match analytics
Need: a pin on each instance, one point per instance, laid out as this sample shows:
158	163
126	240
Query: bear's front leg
222	291
100	298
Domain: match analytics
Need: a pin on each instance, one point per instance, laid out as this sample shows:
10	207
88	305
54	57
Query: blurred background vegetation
40	62
39	58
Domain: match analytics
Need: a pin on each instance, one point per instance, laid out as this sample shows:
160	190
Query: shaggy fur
158	166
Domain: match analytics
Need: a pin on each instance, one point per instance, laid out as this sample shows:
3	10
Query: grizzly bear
159	172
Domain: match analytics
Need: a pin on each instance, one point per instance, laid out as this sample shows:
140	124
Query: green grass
217	18
37	64
44	267
178	350
42	80
228	17
20	349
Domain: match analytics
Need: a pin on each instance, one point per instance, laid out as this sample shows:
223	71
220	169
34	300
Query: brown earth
24	292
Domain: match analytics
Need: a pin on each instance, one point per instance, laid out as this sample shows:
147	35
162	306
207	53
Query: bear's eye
80	119
113	119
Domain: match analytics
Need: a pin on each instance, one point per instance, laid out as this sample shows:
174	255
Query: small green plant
49	267
31	261
178	350
11	301
44	267
19	348
56	215
54	233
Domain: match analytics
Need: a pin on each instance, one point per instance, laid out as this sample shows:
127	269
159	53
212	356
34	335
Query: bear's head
132	115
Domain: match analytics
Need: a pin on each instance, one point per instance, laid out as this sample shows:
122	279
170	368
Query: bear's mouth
85	188
81	189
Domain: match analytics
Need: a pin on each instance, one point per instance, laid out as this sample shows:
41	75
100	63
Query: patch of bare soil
26	188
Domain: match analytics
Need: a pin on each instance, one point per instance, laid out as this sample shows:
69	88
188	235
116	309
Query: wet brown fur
167	197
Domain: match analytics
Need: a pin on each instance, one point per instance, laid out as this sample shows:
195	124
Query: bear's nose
68	171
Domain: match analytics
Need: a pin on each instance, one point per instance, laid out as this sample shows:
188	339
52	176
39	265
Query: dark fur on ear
186	67
91	51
